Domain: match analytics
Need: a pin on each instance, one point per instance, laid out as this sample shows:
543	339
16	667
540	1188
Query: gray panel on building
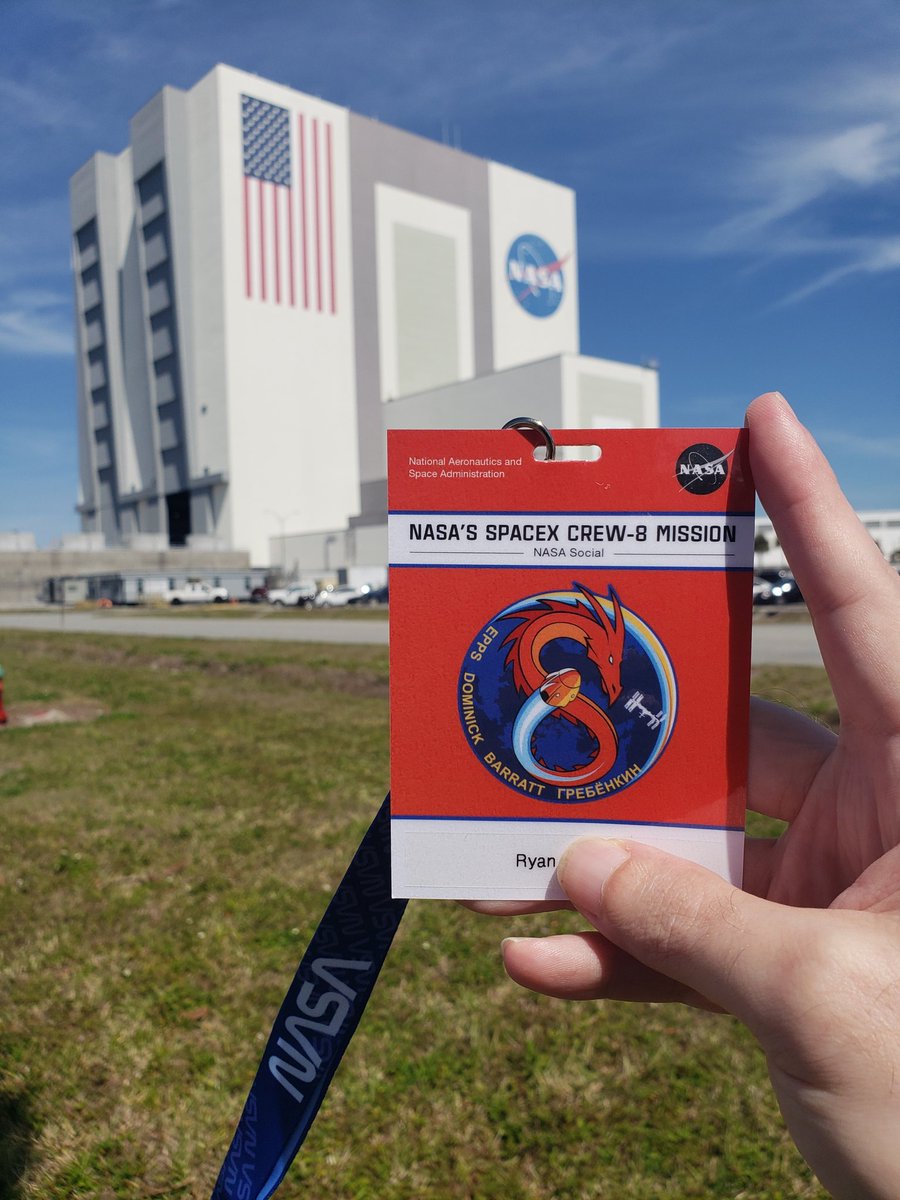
381	154
598	398
425	278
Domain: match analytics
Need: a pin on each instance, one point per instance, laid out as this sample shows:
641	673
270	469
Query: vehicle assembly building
265	282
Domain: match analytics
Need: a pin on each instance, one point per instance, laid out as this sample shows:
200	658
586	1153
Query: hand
809	955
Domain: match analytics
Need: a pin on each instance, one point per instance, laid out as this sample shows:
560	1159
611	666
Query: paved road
788	645
773	642
262	628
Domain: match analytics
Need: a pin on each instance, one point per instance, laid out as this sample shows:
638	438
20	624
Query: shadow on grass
17	1132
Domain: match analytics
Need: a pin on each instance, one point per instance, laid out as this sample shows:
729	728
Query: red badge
570	646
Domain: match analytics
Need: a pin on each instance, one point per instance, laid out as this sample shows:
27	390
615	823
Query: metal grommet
539	428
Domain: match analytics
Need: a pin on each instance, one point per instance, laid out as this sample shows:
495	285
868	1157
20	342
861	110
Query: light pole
330	540
282	522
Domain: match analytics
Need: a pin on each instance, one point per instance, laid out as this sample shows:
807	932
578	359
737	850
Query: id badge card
570	652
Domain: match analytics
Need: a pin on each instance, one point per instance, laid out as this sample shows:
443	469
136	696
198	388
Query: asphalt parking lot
782	638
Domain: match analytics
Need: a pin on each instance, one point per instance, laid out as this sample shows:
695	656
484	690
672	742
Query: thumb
685	922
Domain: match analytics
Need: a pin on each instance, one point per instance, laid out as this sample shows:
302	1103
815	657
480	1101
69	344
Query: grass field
161	869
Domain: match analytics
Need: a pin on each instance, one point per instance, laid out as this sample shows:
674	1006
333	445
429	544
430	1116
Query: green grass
161	870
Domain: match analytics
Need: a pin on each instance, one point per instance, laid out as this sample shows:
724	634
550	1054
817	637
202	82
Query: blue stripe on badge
316	1021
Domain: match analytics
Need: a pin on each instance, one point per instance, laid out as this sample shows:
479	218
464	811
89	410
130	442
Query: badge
570	648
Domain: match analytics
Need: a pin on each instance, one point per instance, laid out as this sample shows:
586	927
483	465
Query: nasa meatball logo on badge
567	696
701	469
535	275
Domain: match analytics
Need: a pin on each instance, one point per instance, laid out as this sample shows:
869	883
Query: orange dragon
558	693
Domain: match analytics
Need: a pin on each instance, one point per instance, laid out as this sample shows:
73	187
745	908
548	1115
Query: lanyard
317	1019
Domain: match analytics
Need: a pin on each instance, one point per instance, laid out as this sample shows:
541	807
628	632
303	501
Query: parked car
786	591
337	597
259	594
762	590
783	588
371	596
196	593
298	595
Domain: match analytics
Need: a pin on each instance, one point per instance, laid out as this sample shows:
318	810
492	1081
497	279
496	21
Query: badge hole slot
572	453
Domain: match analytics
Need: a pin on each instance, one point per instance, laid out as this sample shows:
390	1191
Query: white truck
296	595
196	593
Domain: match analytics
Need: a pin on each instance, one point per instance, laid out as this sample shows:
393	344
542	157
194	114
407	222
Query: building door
178	506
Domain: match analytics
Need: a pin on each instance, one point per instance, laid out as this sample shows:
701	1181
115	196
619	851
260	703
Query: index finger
853	595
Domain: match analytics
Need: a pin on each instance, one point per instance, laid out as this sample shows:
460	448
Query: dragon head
607	648
587	622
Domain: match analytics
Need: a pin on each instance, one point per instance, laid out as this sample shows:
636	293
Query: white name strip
520	859
719	540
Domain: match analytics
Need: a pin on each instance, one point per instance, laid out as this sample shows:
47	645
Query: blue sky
737	166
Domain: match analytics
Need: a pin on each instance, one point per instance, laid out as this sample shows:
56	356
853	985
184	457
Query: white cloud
34	107
855	443
36	323
785	176
44	446
882	255
793	186
34	241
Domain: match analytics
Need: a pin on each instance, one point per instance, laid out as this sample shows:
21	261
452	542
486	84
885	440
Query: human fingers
585	966
514	908
877	889
787	750
757	877
686	923
852	594
759	865
817	988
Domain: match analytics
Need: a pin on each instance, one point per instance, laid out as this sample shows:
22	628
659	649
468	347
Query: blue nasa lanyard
316	1021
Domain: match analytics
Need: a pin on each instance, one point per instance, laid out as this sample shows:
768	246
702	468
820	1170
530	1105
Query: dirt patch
61	712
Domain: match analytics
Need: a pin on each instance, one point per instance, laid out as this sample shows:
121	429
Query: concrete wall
532	390
23	573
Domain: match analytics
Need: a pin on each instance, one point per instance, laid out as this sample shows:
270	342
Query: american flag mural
288	207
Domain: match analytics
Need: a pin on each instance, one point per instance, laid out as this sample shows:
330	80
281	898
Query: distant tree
760	543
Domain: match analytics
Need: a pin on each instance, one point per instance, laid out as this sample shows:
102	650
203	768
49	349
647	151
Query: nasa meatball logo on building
701	469
535	274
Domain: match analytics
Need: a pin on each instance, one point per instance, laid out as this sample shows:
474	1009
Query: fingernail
587	865
780	395
511	941
784	400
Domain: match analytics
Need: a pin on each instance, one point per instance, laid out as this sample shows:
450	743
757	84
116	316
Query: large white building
265	282
882	524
